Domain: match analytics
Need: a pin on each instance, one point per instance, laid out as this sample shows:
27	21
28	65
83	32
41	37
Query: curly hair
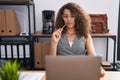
82	19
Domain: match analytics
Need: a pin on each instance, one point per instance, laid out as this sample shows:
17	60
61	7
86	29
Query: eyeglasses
68	16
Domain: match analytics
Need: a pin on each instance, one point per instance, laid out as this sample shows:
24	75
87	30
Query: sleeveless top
77	48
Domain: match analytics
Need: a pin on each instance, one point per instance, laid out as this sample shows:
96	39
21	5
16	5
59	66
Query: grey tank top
77	48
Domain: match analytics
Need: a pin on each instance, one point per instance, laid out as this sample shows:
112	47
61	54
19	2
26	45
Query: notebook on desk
73	67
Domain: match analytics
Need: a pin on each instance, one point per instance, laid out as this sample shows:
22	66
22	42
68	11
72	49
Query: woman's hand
54	41
102	72
56	35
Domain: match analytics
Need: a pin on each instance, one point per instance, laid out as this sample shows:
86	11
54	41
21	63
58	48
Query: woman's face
68	18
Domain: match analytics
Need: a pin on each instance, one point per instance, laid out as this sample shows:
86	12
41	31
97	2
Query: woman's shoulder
87	37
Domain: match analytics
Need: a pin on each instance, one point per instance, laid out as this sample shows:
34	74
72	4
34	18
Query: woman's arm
52	48
91	51
89	46
54	42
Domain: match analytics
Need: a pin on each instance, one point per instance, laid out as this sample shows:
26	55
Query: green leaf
9	71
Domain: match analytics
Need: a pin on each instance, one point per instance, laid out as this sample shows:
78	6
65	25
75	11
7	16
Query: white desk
110	75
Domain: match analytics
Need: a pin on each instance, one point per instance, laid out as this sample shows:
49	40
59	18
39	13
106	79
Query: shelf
41	35
17	2
93	35
103	35
13	47
28	3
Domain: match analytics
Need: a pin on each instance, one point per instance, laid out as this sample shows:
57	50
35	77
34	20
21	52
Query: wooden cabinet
41	49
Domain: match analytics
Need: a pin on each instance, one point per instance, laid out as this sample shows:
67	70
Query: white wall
109	7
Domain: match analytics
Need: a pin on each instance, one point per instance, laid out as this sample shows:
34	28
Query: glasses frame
72	16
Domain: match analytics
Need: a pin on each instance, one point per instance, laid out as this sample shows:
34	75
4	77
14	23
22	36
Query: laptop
73	67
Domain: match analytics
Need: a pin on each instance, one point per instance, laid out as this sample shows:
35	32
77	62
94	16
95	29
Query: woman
72	35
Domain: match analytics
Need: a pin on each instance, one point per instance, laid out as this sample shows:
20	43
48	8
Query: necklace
71	34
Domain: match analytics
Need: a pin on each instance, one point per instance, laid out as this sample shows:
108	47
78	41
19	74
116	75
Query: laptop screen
73	67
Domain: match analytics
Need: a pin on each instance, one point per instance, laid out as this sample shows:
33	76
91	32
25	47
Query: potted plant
9	71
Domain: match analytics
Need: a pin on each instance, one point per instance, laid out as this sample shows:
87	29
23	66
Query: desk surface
110	75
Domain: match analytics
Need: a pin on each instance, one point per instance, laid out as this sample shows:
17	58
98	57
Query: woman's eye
65	16
68	16
72	16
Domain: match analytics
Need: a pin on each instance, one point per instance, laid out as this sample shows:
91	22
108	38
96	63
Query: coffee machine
48	17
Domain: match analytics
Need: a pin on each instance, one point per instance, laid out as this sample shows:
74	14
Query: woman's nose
69	18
